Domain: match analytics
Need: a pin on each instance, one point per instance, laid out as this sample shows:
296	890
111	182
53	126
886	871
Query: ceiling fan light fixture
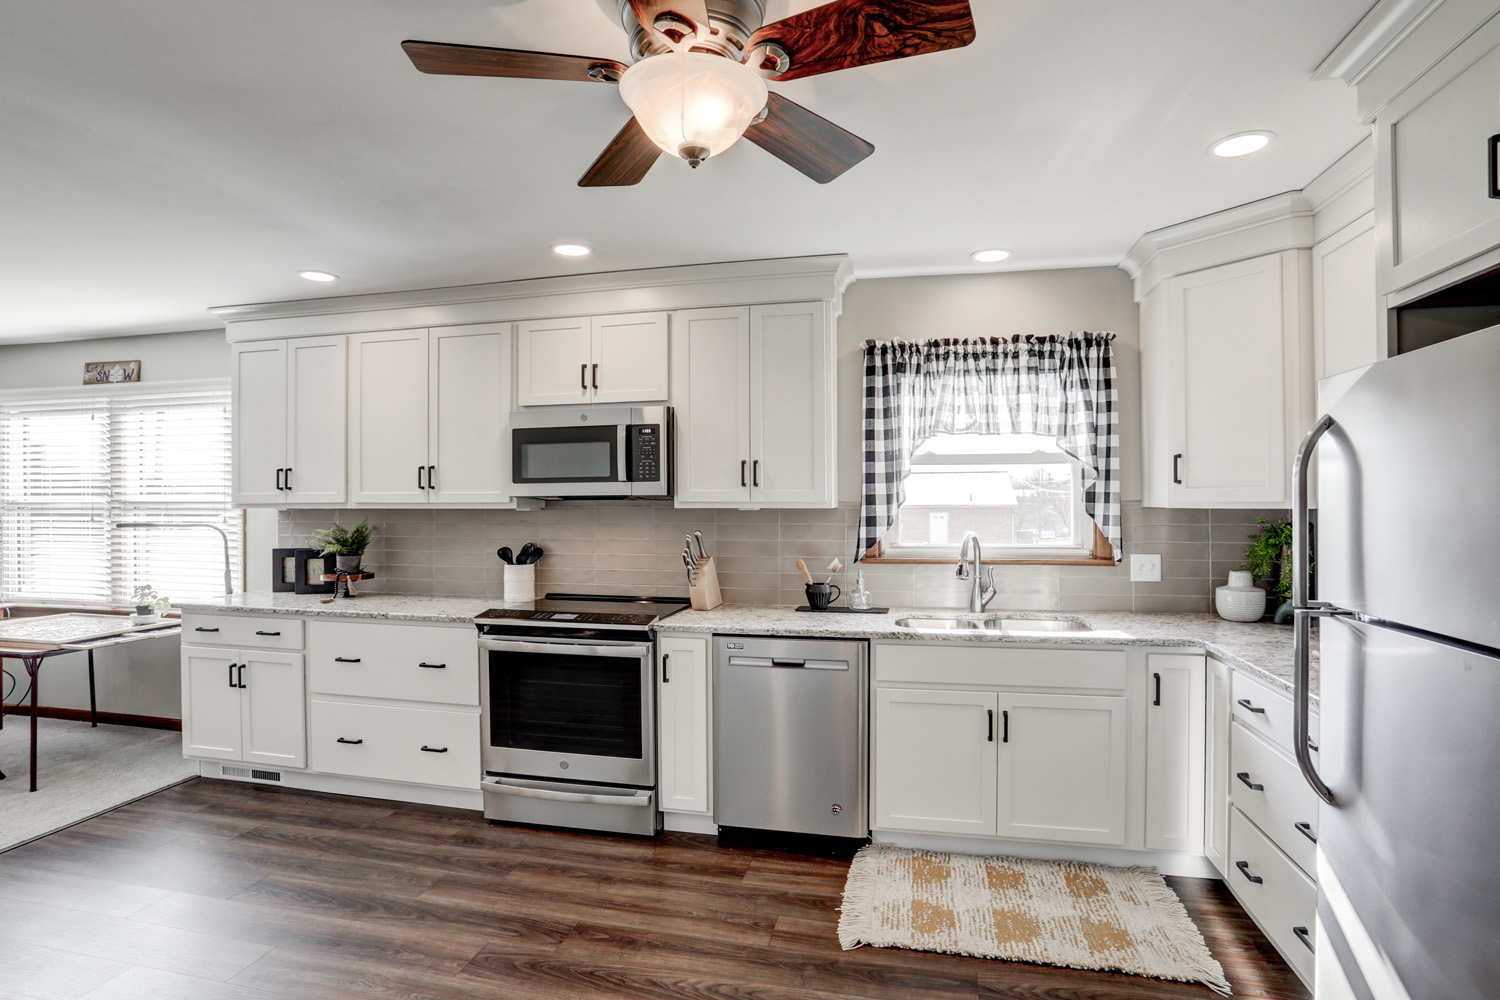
571	250
318	275
990	256
692	104
1242	143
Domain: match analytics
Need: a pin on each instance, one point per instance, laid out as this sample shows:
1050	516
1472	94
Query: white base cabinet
244	705
1175	753
1063	761
935	762
684	742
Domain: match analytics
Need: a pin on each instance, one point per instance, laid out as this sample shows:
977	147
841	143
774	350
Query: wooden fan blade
693	12
479	60
848	33
624	161
808	142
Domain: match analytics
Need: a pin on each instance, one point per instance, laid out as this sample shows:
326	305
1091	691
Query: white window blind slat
71	469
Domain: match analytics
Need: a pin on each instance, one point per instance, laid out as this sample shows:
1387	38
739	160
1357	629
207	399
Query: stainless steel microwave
591	451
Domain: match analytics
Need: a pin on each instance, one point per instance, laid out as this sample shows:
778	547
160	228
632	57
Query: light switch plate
1145	569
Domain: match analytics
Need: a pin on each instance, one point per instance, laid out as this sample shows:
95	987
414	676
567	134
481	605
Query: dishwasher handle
778	661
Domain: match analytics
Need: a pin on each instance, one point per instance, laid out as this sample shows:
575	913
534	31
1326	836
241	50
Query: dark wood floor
220	891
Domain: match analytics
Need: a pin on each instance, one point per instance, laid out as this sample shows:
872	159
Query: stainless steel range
567	691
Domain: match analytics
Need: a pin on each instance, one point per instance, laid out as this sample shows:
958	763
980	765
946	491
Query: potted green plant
1269	557
347	545
148	602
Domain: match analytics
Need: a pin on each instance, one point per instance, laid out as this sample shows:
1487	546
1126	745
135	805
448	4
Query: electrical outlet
1145	569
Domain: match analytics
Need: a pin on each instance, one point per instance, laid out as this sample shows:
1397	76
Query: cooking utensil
833	568
505	555
805	574
524	556
536	554
702	552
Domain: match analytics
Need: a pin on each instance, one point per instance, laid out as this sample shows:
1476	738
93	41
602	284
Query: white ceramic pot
520	583
1239	601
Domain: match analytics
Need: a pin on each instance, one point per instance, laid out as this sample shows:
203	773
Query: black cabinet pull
1494	146
242	676
432	477
278	479
744	465
1157	700
1304	937
420	469
1253	786
352	743
428	749
1312	746
231	676
596	376
990	731
1306	830
289	479
433	666
268	633
583	377
346	659
755	473
1244	867
1177	469
1005	727
666	674
1245	704
200	628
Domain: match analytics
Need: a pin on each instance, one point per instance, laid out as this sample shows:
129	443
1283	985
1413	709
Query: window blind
72	468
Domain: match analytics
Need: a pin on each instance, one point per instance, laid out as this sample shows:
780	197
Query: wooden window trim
1102	555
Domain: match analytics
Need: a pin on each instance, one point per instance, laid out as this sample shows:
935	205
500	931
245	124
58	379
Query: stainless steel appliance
789	735
591	451
567	696
1408	606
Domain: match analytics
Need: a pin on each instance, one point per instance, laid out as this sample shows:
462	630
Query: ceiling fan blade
848	33
479	60
808	142
624	161
675	12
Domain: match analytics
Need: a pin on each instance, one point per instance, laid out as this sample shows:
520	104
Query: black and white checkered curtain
1059	387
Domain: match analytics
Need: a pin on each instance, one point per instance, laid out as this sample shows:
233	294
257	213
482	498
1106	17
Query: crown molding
1382	28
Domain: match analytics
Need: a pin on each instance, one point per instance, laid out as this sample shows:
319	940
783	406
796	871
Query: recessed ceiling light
1241	143
318	276
990	256
571	250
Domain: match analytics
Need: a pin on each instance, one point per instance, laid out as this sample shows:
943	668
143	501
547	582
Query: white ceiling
160	157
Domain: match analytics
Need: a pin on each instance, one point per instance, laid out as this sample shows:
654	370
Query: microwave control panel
644	444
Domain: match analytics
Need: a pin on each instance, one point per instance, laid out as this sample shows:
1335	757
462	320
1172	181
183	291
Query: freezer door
1409	492
1409	882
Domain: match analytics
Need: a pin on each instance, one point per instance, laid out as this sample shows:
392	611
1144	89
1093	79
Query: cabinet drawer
985	665
1282	902
1266	712
269	632
386	743
380	660
1282	800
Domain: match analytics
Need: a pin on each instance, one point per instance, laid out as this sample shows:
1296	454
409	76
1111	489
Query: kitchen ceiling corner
177	157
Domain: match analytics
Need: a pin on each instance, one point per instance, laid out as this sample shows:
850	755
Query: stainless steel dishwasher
790	735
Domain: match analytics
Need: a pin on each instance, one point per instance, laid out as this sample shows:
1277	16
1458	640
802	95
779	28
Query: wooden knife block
705	593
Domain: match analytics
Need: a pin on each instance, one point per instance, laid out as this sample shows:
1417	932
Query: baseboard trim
1168	863
23	711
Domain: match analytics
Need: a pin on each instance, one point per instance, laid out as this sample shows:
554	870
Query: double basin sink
994	624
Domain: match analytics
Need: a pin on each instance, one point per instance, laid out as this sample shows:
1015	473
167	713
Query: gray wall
163	356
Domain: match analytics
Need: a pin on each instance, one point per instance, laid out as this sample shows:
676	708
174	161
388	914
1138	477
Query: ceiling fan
697	81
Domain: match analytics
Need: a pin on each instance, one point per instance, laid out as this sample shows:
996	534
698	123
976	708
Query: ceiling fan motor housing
730	22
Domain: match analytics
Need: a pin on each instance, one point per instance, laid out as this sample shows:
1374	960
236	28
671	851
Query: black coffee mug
820	595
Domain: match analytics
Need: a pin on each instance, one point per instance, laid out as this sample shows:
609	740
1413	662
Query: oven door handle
642	649
640	799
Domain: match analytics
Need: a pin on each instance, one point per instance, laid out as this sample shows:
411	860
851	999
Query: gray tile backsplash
614	547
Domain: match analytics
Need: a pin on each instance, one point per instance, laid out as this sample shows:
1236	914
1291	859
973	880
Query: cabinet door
258	386
1062	768
468	401
1174	753
682	697
210	704
552	362
935	760
1216	785
1347	330
791	406
317	420
711	393
274	717
629	359
388	417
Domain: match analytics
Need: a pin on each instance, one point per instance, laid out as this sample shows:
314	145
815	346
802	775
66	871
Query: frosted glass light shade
692	104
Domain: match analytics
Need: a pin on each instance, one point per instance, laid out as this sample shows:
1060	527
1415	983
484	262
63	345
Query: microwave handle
623	430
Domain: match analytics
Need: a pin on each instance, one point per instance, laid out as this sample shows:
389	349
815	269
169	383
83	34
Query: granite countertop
1260	649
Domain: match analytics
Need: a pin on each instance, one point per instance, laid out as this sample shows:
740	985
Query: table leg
33	668
93	705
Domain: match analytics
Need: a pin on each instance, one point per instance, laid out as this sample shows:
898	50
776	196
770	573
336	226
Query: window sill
876	560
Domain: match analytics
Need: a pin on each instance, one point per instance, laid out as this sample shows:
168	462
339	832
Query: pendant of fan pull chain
696	80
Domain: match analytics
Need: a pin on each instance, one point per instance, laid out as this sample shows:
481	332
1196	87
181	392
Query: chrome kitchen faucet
982	582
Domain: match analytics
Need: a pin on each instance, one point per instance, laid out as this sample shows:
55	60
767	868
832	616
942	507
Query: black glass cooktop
587	609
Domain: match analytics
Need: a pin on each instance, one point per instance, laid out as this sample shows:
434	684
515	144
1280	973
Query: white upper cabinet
600	359
289	421
1175	755
427	415
753	392
1346	320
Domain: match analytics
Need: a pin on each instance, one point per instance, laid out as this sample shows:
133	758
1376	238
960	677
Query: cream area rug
1076	915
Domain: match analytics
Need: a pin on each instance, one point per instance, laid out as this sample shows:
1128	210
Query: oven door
569	710
572	461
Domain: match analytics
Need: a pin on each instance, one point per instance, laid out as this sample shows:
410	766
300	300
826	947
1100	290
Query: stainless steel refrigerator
1408	614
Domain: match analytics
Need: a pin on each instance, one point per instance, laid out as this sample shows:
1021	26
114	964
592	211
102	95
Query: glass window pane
1031	505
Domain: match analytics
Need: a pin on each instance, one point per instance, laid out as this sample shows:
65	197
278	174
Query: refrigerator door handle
1304	611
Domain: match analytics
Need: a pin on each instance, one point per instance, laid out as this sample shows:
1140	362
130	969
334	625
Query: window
73	466
1019	492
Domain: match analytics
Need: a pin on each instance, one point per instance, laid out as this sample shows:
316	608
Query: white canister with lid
1240	601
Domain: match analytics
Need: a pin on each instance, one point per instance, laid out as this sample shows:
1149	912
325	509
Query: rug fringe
1158	891
858	889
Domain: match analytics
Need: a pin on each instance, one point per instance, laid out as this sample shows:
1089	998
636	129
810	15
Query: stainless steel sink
991	623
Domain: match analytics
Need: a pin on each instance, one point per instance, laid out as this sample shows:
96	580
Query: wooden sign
108	372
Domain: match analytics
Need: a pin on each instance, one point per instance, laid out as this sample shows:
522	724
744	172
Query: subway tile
736	596
1098	586
1131	516
812	532
1147	533
1247	515
1084	603
1171	605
